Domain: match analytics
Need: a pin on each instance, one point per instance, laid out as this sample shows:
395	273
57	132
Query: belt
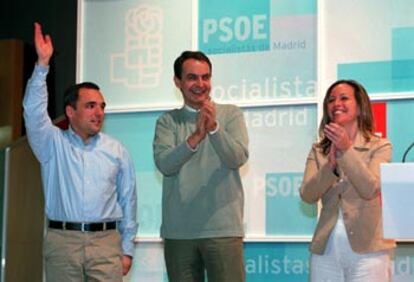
84	227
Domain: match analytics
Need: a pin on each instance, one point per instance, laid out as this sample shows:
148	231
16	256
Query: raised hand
43	45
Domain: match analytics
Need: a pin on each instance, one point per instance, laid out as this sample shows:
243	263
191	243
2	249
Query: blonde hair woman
342	170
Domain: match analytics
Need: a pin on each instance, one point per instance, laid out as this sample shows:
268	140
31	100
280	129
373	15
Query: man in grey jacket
199	149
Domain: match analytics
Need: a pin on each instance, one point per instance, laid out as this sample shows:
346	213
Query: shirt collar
190	109
79	141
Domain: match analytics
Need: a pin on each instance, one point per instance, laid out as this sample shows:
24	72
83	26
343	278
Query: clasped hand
340	139
206	122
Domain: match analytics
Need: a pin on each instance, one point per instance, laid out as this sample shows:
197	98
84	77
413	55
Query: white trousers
341	264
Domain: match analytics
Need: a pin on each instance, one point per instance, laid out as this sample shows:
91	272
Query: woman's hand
338	136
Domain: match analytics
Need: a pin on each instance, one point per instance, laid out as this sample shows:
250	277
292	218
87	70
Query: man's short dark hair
186	55
71	95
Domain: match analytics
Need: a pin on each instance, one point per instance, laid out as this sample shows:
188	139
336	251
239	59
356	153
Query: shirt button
351	232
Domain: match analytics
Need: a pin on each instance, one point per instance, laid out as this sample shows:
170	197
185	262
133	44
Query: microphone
406	152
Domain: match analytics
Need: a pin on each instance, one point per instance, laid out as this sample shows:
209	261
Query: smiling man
199	150
88	181
84	107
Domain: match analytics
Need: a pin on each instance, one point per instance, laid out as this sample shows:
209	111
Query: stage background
275	59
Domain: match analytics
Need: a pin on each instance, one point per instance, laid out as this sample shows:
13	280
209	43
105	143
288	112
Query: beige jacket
357	191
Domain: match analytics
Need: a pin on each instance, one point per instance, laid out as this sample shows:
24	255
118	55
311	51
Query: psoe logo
283	184
240	26
139	64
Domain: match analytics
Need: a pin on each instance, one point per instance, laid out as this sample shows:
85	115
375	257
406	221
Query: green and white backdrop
275	59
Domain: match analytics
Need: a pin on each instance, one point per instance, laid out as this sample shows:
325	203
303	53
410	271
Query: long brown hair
365	118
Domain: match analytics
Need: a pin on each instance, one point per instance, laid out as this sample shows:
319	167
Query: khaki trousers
82	256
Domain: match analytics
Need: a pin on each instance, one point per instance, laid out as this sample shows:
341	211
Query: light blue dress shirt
92	182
